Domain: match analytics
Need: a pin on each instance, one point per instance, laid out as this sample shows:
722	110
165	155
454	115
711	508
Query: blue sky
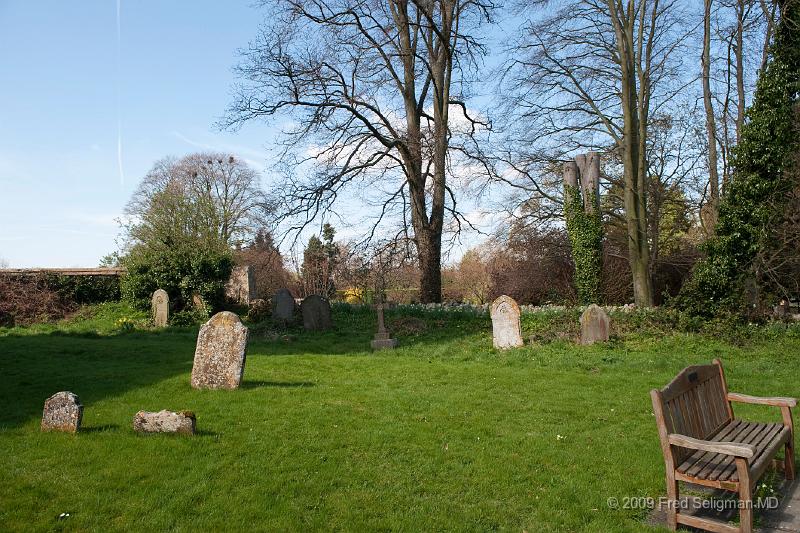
93	92
72	94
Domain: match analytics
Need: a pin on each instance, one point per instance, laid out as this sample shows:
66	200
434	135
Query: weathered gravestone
164	422
283	305
382	340
506	330
316	312
220	353
160	308
62	412
595	325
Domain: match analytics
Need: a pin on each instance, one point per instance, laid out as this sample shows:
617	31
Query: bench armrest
776	401
735	449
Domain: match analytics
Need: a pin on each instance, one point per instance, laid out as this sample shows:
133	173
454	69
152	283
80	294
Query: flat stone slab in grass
595	325
220	353
62	412
316	313
283	305
164	422
506	330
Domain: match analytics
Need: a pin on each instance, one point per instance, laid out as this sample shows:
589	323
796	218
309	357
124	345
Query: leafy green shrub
181	271
189	317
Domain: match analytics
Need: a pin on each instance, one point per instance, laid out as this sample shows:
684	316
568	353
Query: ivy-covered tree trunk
584	224
757	191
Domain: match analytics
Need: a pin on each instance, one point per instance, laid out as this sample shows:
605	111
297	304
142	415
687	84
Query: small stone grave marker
595	325
160	308
283	305
382	340
316	312
506	330
62	412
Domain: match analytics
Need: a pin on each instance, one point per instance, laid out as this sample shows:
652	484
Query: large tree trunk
429	249
712	207
633	148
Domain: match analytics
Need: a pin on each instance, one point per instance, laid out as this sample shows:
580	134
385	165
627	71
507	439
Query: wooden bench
705	445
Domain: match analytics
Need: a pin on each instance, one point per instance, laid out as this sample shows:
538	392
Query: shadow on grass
34	365
99	429
287	384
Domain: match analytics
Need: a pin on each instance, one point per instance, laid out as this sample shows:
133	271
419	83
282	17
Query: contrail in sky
119	82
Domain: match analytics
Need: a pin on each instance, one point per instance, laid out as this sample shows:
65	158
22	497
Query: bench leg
786	414
672	501
789	461
745	496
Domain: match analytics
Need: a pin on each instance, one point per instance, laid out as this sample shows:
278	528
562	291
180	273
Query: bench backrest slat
693	404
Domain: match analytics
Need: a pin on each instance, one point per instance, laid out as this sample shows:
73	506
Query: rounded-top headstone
316	312
160	308
283	305
595	325
62	412
220	353
506	330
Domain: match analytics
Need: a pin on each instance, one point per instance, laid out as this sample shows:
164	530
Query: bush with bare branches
28	299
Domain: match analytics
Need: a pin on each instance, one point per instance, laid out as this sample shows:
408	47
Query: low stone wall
525	309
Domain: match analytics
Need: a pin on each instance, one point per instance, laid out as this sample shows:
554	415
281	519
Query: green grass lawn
443	433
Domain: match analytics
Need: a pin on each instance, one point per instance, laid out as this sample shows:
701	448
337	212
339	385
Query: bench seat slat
694	464
767	438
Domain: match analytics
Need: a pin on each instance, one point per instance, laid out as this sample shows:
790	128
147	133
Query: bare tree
589	74
739	44
710	219
375	89
207	195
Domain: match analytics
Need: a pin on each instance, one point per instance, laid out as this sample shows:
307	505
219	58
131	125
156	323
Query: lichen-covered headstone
316	312
164	422
62	412
220	353
506	330
283	305
160	308
595	325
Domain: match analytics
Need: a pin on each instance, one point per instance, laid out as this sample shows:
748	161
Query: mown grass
444	433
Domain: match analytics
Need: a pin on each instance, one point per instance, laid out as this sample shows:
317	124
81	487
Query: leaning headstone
241	286
160	308
595	325
316	312
62	412
283	305
220	353
382	340
164	422
506	330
